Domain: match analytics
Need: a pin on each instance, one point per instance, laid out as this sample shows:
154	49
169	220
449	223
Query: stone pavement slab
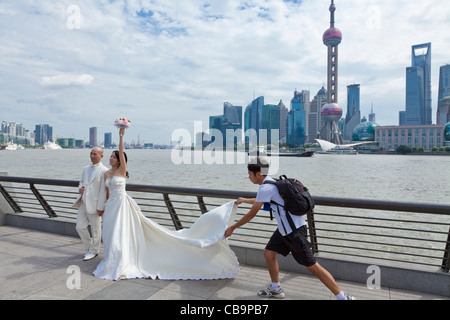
37	265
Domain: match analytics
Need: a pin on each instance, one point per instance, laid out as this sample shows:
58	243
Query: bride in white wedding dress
137	247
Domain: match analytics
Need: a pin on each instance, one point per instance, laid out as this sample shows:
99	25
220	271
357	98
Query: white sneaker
269	292
89	256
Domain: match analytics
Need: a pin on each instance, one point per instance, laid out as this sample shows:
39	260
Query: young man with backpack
285	240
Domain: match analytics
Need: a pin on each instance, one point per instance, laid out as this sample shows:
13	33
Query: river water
386	177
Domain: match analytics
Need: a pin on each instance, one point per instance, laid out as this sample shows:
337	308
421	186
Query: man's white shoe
89	256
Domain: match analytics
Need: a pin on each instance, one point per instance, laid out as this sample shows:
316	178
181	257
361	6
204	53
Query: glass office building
353	117
261	120
252	115
228	124
415	106
418	88
353	100
43	133
443	116
296	126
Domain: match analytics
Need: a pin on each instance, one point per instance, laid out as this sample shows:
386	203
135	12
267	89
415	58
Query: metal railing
396	232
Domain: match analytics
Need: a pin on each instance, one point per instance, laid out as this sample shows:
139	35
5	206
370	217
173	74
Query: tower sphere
331	112
332	37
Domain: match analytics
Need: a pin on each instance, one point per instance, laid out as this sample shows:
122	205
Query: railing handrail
419	207
167	191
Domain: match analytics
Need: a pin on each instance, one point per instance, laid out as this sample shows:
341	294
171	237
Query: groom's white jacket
94	195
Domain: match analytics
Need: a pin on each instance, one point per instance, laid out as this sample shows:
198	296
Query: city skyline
165	65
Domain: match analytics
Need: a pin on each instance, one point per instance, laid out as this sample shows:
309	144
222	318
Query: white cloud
67	80
173	62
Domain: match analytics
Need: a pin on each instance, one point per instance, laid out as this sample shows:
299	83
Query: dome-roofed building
365	131
447	135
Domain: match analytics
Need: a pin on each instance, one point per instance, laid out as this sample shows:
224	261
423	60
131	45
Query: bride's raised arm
123	162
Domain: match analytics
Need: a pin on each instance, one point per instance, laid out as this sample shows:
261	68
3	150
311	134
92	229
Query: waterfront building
443	109
93	137
251	121
428	137
273	122
228	124
63	142
447	135
372	116
353	117
79	143
4	127
365	131
443	114
331	113
283	121
418	88
13	128
262	123
314	116
43	133
297	121
108	140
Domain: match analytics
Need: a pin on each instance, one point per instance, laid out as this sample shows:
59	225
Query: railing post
42	201
202	204
176	221
446	261
10	200
312	232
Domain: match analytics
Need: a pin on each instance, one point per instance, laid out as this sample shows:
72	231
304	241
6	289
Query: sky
164	64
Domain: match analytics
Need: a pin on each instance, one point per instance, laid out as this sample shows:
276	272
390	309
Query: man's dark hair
258	165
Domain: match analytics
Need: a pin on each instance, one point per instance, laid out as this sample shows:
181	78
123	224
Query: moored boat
52	146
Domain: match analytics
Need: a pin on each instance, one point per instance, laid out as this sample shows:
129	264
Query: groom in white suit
91	204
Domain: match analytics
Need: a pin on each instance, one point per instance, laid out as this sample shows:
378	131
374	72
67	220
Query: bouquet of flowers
122	123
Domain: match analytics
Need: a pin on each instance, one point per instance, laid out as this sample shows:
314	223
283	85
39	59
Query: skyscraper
297	126
283	118
227	124
43	133
252	122
262	123
444	92
93	137
314	117
108	140
353	117
372	115
418	87
332	112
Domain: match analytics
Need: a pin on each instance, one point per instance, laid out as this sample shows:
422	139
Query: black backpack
297	199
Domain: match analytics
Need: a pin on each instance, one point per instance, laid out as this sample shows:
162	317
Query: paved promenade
42	266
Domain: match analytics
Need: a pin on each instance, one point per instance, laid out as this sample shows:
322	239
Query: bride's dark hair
116	153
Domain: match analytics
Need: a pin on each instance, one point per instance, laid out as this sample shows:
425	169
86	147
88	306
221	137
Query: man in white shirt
91	204
282	241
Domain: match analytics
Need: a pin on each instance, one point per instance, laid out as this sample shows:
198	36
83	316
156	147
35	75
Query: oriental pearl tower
332	112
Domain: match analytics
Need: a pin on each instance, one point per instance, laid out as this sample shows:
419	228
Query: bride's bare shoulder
108	174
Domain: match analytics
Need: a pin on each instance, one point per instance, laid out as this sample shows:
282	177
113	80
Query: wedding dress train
137	247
